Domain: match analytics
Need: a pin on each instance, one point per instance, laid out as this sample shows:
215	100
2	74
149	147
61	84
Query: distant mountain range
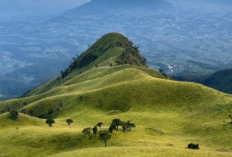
102	7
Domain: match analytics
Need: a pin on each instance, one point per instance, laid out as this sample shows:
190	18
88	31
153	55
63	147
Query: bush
127	126
14	115
193	146
50	122
69	121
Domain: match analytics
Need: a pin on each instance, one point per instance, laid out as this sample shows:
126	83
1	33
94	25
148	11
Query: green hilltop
111	80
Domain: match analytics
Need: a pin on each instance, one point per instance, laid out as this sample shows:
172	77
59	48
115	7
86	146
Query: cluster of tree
79	62
51	121
105	135
116	123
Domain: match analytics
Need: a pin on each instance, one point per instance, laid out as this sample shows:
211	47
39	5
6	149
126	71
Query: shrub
127	126
116	123
193	146
14	115
50	122
69	121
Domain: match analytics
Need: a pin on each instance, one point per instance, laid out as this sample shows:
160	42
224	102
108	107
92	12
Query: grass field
168	115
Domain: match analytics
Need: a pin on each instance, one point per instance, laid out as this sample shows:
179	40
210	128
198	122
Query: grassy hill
116	83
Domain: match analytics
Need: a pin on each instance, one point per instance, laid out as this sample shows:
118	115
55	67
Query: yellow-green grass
168	114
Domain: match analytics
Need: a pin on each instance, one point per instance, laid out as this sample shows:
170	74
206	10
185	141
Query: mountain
111	80
102	7
165	35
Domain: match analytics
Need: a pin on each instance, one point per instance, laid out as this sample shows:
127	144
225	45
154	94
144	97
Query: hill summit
111	49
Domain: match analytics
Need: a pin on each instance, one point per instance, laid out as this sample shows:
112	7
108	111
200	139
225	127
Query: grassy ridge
168	114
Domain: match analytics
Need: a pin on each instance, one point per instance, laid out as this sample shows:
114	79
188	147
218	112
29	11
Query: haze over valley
173	37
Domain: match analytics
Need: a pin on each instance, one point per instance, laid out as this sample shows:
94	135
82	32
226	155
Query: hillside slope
220	80
117	84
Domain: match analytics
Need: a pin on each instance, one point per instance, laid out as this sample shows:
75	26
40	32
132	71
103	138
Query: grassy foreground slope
168	114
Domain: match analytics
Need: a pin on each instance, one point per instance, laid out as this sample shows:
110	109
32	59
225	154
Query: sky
26	9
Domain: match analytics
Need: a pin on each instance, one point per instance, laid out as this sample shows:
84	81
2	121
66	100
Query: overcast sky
16	9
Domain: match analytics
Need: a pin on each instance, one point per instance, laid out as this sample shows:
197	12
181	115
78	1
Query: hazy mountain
102	7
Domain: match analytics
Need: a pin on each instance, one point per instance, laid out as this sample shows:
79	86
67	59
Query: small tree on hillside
50	122
111	129
69	121
87	131
14	115
127	126
116	123
99	124
95	130
104	136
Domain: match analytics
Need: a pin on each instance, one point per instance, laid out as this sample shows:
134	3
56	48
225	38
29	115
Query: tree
104	136
230	118
116	123
193	146
14	115
99	124
69	121
31	112
87	131
50	122
95	130
111	128
50	113
127	126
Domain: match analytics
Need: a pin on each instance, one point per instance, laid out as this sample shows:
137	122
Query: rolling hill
111	80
